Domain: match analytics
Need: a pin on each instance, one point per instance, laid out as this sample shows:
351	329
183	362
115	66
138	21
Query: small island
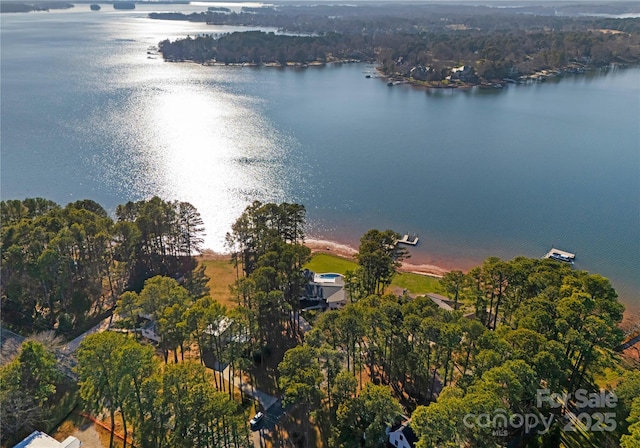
31	7
124	5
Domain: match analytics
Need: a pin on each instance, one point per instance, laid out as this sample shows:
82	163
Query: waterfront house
223	332
419	72
326	290
464	73
444	302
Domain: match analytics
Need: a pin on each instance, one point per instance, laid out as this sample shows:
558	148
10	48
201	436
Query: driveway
271	418
103	325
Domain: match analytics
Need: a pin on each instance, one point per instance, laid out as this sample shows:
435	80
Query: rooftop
38	439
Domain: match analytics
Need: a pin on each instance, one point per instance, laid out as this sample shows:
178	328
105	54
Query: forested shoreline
514	328
15	7
490	44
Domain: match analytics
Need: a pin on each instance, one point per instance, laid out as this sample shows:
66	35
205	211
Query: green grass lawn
222	275
414	283
330	263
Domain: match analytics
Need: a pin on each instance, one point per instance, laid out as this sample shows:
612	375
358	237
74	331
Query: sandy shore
344	251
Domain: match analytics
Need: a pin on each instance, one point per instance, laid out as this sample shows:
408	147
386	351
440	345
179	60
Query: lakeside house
420	72
447	304
464	73
444	302
324	290
223	332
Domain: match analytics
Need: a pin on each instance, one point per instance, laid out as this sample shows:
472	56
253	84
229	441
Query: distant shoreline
538	76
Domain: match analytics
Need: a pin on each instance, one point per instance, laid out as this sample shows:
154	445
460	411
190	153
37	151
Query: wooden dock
560	255
411	240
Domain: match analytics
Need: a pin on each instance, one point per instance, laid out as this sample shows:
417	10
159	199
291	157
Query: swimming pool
329	275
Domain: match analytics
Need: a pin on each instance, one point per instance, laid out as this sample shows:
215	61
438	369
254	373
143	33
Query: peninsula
427	45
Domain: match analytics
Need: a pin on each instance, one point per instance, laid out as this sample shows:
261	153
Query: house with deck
324	290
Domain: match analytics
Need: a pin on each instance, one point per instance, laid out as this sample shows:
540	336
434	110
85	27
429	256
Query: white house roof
223	325
38	439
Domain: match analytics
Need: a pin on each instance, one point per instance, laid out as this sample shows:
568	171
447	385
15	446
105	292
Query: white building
39	439
402	436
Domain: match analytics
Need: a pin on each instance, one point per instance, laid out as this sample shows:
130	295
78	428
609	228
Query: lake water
88	113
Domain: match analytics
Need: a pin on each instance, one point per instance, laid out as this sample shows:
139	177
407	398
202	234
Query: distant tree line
421	43
498	55
257	47
29	7
424	56
63	265
373	19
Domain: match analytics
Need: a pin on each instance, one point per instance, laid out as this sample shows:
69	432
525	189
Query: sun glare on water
213	151
232	4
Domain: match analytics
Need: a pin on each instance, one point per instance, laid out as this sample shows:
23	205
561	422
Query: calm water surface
87	112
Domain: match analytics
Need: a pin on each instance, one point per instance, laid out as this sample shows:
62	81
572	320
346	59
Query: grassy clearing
222	275
414	283
330	263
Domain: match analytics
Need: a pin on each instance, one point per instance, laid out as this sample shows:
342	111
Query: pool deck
328	277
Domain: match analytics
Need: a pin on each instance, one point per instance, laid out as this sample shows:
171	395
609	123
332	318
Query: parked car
256	419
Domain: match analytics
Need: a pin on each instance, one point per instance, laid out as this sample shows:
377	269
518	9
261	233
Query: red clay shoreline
347	251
